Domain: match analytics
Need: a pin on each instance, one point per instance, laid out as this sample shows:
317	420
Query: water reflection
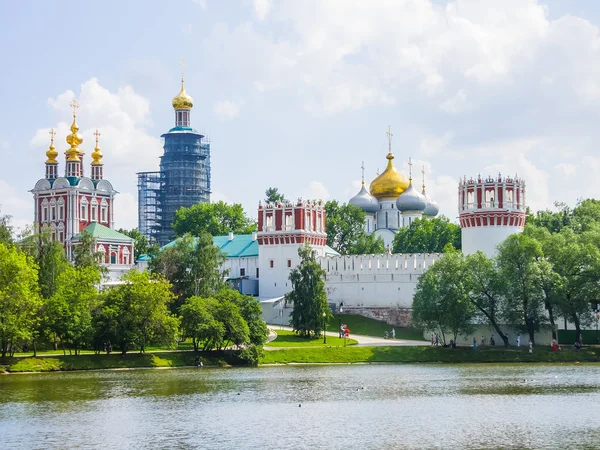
387	406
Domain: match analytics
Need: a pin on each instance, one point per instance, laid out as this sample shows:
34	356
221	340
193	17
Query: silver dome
365	201
411	200
432	209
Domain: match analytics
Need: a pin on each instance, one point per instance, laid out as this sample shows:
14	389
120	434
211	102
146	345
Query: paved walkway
367	341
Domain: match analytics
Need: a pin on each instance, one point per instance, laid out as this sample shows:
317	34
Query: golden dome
97	154
390	183
74	139
52	153
182	100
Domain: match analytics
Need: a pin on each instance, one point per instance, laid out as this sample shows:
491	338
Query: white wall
374	281
235	264
485	239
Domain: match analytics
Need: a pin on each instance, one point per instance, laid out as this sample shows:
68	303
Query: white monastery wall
486	239
374	281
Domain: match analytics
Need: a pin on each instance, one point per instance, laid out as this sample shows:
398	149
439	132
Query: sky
297	94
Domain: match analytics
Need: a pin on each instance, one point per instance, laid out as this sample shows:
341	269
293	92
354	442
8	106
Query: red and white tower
66	206
490	210
282	229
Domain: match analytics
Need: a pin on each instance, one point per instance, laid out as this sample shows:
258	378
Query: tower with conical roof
184	168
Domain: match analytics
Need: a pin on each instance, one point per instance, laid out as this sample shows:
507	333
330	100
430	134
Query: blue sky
295	94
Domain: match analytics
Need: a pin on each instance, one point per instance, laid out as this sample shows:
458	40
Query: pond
297	407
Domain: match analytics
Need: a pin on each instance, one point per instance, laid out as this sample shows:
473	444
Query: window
53	210
126	255
60	236
271	264
288	222
269	223
61	209
45	211
386	219
113	258
289	263
83	209
257	272
94	211
380	206
103	212
242	272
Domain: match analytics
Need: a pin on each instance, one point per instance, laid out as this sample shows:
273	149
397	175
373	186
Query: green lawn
371	327
286	338
425	354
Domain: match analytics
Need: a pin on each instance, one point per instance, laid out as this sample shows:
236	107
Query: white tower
490	210
282	229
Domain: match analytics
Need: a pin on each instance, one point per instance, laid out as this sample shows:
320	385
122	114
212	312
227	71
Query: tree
272	195
198	322
140	243
427	236
346	230
192	266
517	258
441	299
137	313
485	289
19	297
69	310
6	230
308	295
251	312
217	219
85	254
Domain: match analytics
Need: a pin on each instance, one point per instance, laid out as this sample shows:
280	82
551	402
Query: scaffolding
149	211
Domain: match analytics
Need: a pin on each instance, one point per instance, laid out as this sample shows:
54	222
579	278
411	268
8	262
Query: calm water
373	407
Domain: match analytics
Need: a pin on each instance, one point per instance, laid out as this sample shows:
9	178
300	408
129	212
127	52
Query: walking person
530	346
436	340
474	343
432	340
518	340
482	341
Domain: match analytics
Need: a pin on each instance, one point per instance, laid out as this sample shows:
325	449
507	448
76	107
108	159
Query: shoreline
355	355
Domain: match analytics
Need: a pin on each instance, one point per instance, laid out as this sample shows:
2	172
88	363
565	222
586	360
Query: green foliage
346	230
427	236
68	312
192	266
51	260
441	300
136	313
199	323
250	311
308	295
287	338
272	195
140	244
216	219
19	296
85	254
6	230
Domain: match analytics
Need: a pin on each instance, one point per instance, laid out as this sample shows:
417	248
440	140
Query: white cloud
315	191
126	210
201	3
566	169
226	109
455	104
187	28
262	8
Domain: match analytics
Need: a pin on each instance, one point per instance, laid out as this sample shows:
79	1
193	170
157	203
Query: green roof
101	232
241	246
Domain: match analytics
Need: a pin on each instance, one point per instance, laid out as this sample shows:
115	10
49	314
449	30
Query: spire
362	166
51	162
182	101
74	167
97	154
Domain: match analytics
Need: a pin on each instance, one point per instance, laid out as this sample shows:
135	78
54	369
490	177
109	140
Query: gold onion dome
97	154
52	153
182	100
390	183
74	139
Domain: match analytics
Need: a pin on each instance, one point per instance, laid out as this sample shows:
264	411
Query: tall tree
19	297
485	290
517	258
69	310
272	195
138	312
308	295
427	236
251	312
441	300
192	266
199	323
216	219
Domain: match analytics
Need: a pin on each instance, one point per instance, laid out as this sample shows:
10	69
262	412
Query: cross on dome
74	105
362	166
410	164
389	135
52	134
97	134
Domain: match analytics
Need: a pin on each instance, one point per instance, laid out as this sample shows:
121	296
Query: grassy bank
371	327
286	338
424	355
115	361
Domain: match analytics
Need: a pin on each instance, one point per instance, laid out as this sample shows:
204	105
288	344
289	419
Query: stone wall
399	317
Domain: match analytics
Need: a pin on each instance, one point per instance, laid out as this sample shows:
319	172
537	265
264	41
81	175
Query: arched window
83	209
94	210
53	210
61	209
45	211
104	211
126	255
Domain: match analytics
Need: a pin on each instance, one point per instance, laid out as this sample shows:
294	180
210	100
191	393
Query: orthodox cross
97	134
52	134
389	134
182	64
423	172
362	166
410	164
75	106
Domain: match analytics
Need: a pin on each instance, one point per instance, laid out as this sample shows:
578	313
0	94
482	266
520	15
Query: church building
67	206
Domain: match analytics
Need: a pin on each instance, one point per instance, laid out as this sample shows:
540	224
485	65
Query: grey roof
411	200
365	201
432	209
